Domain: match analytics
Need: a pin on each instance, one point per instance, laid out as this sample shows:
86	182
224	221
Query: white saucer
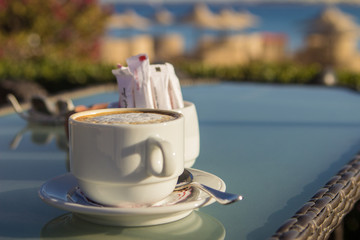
61	192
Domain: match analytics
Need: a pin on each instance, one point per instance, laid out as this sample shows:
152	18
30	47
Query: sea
290	19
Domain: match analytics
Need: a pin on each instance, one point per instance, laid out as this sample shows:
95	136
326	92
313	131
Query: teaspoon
186	179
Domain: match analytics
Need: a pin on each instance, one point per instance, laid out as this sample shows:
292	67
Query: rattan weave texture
326	209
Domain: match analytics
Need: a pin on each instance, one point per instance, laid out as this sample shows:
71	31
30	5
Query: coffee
131	117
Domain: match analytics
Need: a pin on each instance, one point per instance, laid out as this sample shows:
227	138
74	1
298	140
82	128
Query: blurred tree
51	29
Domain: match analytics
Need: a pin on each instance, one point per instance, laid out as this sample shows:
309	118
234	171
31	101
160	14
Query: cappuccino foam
126	118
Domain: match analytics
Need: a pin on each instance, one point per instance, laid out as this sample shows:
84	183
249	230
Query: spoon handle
220	197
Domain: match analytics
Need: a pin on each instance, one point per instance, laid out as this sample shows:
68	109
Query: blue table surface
275	144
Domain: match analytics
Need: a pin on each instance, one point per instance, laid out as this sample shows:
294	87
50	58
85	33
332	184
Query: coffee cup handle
168	162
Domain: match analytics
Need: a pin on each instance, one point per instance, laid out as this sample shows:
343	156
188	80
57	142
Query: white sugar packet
140	68
174	88
160	81
125	81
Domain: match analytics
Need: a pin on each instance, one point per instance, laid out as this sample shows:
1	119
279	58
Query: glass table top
276	145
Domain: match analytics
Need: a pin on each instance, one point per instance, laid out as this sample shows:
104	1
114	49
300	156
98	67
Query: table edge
317	218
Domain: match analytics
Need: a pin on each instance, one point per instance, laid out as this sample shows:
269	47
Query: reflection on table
197	225
42	135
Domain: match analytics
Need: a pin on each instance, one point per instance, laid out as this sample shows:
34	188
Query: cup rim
177	116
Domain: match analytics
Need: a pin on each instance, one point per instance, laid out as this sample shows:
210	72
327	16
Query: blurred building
242	49
274	47
117	50
331	41
223	48
169	47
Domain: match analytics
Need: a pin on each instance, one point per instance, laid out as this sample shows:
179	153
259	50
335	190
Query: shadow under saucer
197	225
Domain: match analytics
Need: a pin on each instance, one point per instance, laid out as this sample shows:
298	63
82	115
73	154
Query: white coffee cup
192	135
126	164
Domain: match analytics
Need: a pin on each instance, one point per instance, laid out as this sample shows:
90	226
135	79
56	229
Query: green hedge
349	79
254	72
57	76
282	73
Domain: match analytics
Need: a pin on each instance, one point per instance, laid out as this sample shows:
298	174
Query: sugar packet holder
142	85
